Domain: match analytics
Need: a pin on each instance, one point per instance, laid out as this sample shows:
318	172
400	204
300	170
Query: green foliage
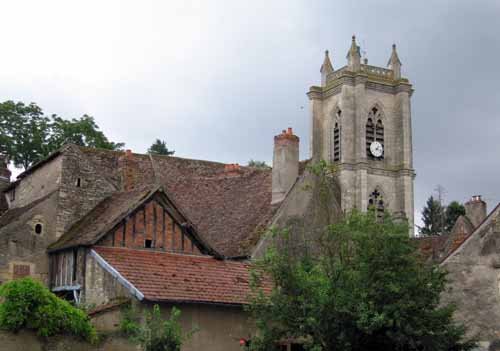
432	217
453	211
27	304
154	333
159	147
27	135
362	287
258	164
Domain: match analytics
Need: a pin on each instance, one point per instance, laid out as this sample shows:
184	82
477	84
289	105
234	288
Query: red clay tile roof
431	247
229	209
163	276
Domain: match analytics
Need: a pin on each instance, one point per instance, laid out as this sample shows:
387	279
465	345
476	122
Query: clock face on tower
376	149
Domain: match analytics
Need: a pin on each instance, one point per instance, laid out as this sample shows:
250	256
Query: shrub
27	304
155	333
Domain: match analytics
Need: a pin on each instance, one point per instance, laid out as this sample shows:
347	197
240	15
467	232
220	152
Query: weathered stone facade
474	275
348	98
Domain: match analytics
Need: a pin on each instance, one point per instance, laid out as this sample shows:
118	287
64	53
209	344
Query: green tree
159	147
453	211
362	287
81	131
258	164
27	135
27	304
433	218
24	133
155	333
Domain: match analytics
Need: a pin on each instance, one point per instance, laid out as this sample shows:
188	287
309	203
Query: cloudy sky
217	79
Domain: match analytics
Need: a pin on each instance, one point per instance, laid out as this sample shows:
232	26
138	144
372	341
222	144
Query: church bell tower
361	121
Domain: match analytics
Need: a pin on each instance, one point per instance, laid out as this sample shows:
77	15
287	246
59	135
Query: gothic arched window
336	138
376	202
374	132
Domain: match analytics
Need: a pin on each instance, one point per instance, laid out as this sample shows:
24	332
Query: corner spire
394	63
354	56
326	68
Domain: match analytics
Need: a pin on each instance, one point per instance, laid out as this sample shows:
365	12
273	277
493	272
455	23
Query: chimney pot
475	210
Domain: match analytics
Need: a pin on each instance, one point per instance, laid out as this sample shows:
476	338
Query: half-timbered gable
154	227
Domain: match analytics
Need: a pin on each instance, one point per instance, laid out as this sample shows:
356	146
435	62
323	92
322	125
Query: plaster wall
100	287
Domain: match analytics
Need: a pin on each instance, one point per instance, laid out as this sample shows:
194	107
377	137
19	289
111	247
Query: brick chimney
232	169
4	182
129	170
475	210
285	164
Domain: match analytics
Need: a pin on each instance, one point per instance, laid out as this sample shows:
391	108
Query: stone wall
474	273
41	182
82	188
20	245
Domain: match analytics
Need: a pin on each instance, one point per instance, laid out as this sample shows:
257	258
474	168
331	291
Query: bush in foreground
363	287
27	304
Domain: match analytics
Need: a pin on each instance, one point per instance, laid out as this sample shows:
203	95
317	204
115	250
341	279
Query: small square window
148	244
38	228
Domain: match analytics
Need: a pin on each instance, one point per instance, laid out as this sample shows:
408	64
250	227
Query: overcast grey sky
217	79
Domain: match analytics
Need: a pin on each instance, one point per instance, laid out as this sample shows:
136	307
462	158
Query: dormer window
148	244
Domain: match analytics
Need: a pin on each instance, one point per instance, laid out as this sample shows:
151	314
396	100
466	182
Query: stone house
98	226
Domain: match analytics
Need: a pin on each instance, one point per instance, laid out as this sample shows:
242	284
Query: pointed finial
326	68
394	59
354	56
394	63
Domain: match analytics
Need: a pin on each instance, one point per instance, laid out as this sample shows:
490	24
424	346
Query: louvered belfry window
336	143
374	132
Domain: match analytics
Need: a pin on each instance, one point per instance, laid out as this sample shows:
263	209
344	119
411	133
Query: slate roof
229	209
163	276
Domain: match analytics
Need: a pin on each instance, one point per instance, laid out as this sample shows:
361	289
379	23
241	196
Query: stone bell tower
361	121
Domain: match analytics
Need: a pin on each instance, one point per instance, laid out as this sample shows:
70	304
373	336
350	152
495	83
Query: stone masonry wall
76	201
35	185
474	273
21	247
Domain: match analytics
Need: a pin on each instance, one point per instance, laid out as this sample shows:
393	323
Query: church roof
169	277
